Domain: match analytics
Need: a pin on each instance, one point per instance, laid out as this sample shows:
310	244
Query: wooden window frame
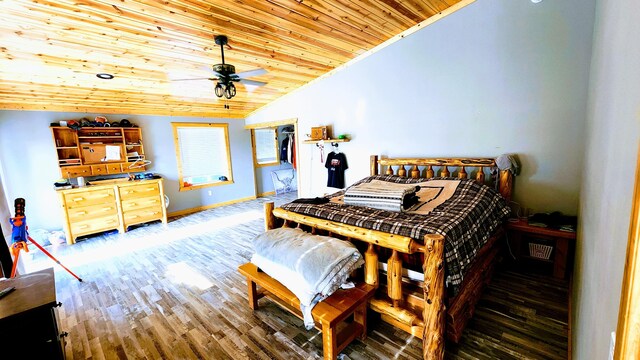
254	148
176	142
628	330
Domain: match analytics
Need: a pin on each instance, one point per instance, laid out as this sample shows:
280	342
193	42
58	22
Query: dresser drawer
139	191
140	203
92	211
94	225
142	215
98	169
75	171
86	198
114	168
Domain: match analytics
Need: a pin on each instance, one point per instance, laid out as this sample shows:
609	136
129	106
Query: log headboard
424	167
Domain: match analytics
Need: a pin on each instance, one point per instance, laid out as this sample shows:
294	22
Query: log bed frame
420	313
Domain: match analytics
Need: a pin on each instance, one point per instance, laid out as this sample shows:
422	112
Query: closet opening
275	157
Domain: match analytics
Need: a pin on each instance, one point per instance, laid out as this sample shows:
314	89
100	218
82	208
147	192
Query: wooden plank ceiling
52	50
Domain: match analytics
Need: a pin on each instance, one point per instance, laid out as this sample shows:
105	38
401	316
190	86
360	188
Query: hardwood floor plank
173	292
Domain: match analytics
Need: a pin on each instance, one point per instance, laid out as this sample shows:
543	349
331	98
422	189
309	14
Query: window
202	151
265	146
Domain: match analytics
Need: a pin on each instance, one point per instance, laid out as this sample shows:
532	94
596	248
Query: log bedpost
506	184
373	163
269	219
433	315
371	266
394	278
480	175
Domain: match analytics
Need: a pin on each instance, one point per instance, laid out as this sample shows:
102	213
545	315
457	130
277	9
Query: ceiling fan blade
251	73
252	82
212	79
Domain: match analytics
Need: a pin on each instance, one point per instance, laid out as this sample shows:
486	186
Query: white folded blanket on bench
312	267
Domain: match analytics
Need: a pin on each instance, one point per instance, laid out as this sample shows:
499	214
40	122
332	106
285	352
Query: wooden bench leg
360	317
329	342
253	294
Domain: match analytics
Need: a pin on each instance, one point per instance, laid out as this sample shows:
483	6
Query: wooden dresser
111	205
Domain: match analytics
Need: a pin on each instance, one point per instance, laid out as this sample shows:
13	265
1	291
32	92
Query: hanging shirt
336	164
284	150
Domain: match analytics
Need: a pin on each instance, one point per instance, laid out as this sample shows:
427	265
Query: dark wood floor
173	292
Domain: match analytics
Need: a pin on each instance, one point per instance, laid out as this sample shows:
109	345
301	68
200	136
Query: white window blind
266	146
203	154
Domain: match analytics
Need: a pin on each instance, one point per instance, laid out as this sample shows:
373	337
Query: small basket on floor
540	251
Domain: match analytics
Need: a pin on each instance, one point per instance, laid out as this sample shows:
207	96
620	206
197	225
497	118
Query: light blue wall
498	76
612	138
29	162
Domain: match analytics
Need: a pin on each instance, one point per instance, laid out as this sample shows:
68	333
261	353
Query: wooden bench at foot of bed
328	314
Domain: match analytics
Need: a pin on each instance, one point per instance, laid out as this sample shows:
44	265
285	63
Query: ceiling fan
225	74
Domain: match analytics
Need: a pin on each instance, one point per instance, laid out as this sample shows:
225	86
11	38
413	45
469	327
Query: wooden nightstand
521	234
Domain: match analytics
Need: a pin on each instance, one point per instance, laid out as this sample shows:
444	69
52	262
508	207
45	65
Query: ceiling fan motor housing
224	69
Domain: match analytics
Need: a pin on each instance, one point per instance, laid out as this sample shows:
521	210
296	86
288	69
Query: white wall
613	134
29	163
499	76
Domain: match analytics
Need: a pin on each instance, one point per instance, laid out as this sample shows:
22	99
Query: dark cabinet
28	317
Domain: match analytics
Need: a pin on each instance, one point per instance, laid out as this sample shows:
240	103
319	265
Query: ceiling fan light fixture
230	91
219	90
105	76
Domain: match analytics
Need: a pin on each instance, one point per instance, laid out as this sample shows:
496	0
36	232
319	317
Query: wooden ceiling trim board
459	5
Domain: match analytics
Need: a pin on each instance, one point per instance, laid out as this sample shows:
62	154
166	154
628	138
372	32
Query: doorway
275	157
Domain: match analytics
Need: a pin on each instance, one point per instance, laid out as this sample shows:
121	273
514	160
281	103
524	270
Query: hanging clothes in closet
288	147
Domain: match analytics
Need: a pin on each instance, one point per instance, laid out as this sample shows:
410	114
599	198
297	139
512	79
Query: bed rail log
505	178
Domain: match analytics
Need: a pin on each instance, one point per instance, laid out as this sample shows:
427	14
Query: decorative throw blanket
469	216
312	267
382	195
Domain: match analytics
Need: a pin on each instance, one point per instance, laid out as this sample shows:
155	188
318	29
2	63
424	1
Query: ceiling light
105	76
536	1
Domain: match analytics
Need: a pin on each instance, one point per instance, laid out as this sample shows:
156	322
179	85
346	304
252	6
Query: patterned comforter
466	219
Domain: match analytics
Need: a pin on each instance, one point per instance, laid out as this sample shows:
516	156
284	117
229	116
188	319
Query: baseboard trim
268	193
206	207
